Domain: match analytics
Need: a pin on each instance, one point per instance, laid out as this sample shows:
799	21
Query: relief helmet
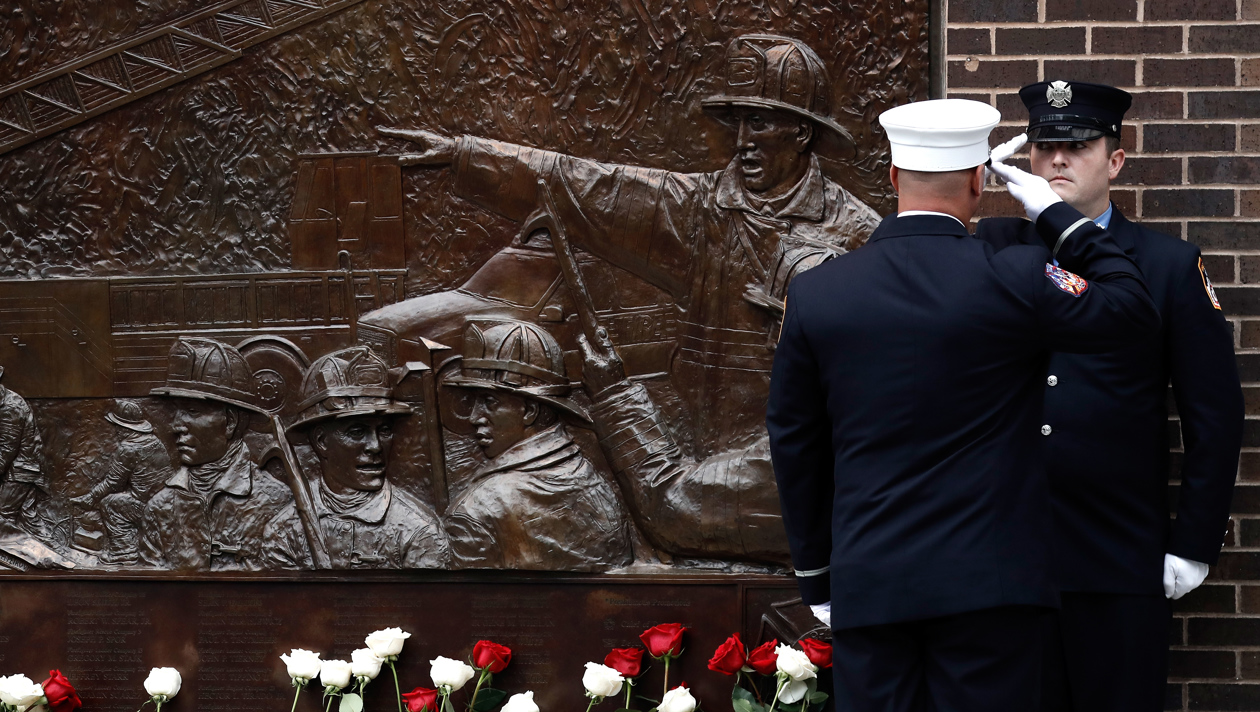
349	382
206	369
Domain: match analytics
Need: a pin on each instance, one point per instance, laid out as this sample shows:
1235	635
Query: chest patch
1207	285
1073	284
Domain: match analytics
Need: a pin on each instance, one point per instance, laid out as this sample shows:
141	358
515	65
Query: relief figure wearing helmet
347	415
210	514
723	245
538	502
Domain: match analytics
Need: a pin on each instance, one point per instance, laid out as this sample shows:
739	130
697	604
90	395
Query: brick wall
1193	171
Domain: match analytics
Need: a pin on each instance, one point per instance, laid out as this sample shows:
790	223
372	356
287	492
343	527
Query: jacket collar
1122	230
808	202
535	453
894	226
235	479
372	511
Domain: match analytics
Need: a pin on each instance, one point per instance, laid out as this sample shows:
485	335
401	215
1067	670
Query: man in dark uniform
905	423
1114	544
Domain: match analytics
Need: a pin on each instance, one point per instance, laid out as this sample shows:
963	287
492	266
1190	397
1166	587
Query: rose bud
601	680
60	693
763	658
819	652
365	663
164	682
491	655
303	665
678	699
421	699
794	663
664	639
387	643
627	661
730	656
523	702
450	673
334	673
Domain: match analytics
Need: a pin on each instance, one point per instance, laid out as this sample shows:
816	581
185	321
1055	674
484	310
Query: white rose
20	691
601	680
303	665
523	702
163	682
795	663
450	673
334	673
793	691
678	699
387	643
365	663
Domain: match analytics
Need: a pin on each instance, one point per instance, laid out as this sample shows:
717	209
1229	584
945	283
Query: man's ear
804	135
530	415
1114	163
977	180
894	177
315	435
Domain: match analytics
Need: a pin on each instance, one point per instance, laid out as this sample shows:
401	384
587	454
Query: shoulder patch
1207	286
1073	284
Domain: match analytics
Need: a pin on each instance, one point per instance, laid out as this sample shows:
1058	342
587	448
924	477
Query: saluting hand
438	150
1034	192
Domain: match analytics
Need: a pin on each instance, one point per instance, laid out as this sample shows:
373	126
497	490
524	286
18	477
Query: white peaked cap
940	135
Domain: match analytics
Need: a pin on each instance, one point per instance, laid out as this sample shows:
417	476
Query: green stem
158	702
778	689
295	696
666	677
629	689
397	690
328	705
594	699
472	704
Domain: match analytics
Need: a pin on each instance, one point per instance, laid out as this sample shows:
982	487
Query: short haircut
1113	144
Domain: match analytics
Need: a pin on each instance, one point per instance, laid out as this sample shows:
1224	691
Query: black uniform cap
1073	111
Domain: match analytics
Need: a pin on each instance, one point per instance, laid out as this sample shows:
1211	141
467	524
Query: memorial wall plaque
318	317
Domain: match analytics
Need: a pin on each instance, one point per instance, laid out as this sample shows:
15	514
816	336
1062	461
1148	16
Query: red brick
1242	301
1249	372
1251	72
1012	108
1188	72
1251	599
992	11
1116	72
968	40
1091	10
1250	666
999	203
1172	229
1250	138
1249	204
1155	105
1188	202
1135	40
1206	696
993	73
1220	269
1190	10
1187	138
1248	534
1223	631
1224	39
1251	10
1202	664
1225	169
1041	40
1224	104
1251	399
1250	339
1150	171
982	98
1125	200
1210	598
1246	497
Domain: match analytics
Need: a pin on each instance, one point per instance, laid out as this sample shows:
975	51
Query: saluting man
1118	557
905	423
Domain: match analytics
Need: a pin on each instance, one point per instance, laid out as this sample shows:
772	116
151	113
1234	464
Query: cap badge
1059	94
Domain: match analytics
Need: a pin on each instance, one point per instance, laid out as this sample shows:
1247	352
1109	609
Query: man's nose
743	138
373	442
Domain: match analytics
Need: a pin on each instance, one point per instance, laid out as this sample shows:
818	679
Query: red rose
730	656
491	655
819	652
664	639
60	693
421	699
627	661
763	658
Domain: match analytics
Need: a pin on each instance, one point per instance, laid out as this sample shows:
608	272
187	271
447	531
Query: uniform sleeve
1200	351
1095	299
800	447
637	218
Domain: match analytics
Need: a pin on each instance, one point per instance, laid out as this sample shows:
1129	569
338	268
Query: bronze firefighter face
772	147
354	451
203	430
501	420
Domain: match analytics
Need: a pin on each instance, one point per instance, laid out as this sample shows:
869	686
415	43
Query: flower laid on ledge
449	676
600	681
59	694
489	658
302	666
628	662
521	702
664	642
678	699
335	676
387	644
162	684
421	699
795	674
19	693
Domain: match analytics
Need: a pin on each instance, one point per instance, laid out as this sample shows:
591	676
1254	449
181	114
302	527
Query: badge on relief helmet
1073	284
1207	285
1059	94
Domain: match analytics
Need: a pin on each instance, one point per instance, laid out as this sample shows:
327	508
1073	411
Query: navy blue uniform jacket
905	411
1108	457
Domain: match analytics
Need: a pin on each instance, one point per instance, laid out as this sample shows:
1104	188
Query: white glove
822	612
1034	192
1181	576
1008	149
